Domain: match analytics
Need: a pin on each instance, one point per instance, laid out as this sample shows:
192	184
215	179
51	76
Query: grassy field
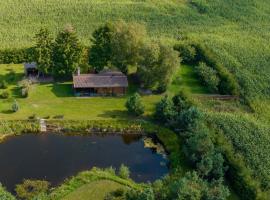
58	99
96	190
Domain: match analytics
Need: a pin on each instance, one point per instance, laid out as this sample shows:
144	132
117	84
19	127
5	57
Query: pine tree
43	51
67	53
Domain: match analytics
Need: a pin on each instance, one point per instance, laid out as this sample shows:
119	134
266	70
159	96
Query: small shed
30	69
106	83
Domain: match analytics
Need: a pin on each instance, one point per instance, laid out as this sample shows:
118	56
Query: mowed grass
95	190
185	78
58	99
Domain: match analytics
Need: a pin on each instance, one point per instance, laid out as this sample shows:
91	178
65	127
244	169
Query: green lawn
58	99
96	190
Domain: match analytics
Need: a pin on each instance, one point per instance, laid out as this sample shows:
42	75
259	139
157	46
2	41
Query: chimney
79	71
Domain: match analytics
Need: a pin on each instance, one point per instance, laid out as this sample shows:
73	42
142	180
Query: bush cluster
134	105
5	94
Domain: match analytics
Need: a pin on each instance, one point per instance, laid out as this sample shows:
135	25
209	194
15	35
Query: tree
156	66
134	105
190	187
67	53
100	53
116	44
208	76
43	51
187	52
216	191
124	172
126	41
164	110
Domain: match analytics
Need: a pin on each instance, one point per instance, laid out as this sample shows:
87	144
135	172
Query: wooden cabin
105	83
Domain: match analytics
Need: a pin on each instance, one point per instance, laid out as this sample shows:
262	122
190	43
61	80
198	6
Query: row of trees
59	57
118	45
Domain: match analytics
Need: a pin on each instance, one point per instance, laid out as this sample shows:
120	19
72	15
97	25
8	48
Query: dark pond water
56	157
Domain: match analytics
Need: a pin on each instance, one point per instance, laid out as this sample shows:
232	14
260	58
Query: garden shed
30	69
105	83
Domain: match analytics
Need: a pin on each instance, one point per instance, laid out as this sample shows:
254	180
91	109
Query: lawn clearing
49	100
96	190
185	78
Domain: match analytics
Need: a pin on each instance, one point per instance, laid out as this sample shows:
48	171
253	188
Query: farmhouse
106	83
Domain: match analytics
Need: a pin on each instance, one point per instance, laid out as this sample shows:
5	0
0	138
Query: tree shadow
7	111
119	114
62	89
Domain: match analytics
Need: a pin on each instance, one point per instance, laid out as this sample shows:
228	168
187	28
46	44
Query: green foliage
31	188
227	83
208	76
16	55
157	65
126	42
15	106
117	44
3	84
4	195
134	105
101	50
43	51
187	51
67	53
243	153
124	172
144	194
5	94
164	110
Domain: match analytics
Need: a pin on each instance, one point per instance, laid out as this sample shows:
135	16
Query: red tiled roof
99	80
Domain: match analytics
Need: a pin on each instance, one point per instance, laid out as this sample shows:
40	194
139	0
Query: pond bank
168	138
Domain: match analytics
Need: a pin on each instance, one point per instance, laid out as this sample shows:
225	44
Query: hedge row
228	83
16	56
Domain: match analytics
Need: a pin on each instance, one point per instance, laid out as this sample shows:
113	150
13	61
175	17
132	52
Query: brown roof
99	80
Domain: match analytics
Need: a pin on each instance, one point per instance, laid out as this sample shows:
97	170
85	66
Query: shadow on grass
62	89
7	111
115	114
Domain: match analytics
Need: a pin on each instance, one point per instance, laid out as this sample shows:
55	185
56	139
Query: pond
55	157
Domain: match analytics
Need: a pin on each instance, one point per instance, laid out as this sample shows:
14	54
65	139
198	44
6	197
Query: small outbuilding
105	83
30	69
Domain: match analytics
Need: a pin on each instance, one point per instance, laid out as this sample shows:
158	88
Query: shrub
3	84
15	106
4	195
124	172
31	188
187	52
208	76
24	92
5	94
134	105
144	194
164	110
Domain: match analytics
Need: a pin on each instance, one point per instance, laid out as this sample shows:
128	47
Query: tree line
114	45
